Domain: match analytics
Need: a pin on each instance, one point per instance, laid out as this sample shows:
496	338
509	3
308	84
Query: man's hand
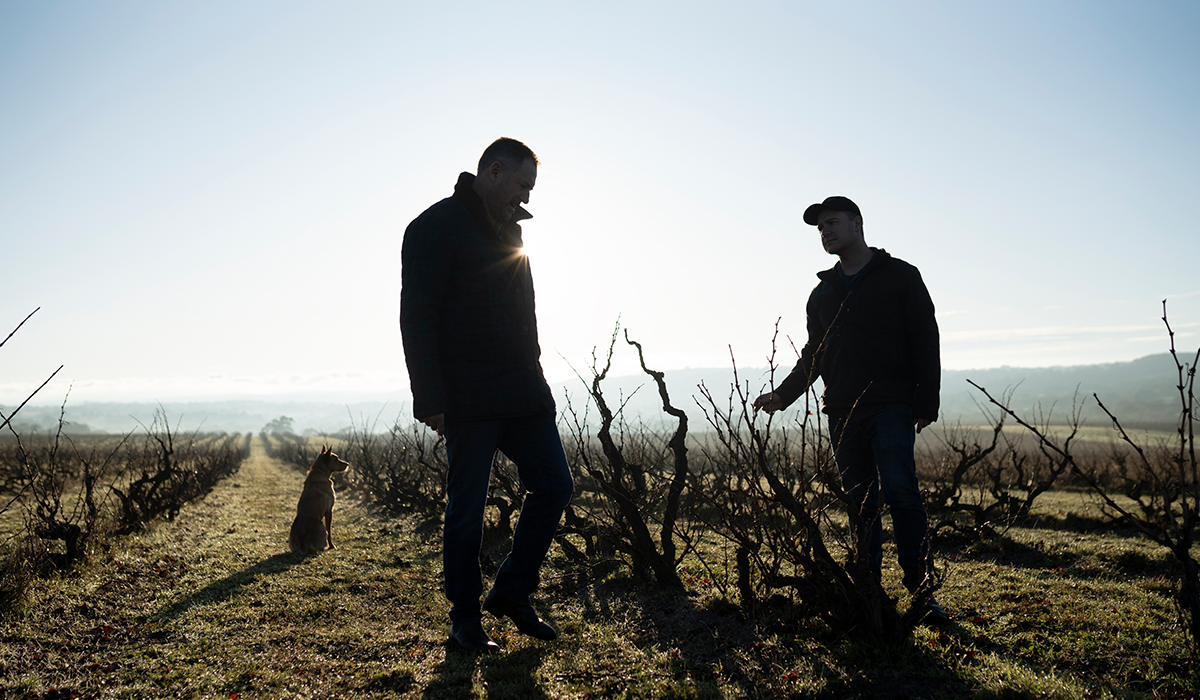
922	423
768	402
436	421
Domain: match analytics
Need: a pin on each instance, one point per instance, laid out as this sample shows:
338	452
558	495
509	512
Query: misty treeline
62	495
753	505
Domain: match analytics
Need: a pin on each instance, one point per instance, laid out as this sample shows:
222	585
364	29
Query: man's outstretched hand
768	402
436	421
772	403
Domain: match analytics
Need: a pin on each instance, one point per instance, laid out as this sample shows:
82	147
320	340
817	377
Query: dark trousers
533	445
874	454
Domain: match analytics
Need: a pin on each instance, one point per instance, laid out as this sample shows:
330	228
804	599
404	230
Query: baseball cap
835	203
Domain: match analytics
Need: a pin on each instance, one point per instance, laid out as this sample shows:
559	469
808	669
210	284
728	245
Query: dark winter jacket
467	313
874	344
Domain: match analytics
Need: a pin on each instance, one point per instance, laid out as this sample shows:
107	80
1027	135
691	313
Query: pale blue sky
209	198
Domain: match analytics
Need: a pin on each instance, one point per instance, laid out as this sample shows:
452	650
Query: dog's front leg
329	527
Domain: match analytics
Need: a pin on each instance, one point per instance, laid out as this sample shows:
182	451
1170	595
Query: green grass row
211	606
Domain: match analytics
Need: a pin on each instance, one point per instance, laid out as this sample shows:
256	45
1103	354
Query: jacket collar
876	260
510	231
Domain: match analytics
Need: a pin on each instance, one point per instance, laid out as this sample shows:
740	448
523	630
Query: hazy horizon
1141	392
328	390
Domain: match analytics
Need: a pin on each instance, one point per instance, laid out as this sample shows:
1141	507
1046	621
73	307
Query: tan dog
309	534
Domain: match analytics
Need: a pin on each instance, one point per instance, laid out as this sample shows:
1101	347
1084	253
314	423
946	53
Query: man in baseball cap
873	339
834	203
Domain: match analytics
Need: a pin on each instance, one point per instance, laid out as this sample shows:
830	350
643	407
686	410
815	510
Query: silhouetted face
840	230
508	188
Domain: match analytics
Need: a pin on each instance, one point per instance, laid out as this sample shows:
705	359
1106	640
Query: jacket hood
876	260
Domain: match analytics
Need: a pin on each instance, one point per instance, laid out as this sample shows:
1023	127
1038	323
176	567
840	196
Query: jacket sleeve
808	366
924	344
424	278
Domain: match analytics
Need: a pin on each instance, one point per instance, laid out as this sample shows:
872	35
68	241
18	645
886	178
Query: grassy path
213	606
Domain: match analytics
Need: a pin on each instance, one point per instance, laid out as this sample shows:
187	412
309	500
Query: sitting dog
309	534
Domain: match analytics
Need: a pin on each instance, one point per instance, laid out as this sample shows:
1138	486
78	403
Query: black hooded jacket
873	344
467	313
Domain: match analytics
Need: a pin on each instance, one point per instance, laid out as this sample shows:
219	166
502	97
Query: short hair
509	152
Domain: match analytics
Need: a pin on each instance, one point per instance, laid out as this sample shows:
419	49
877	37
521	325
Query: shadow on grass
504	675
707	640
1013	553
394	681
231	585
1084	524
778	648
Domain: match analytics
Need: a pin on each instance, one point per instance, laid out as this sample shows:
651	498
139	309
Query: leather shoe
470	636
935	614
522	614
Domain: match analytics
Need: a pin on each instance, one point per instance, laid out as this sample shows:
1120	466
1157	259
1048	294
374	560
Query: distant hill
1141	392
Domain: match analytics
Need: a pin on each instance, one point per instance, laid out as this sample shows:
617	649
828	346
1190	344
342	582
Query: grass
211	606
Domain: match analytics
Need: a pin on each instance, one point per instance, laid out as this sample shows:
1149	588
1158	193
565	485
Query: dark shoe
522	614
935	614
470	636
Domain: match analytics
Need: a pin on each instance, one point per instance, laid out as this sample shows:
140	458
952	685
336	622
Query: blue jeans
874	453
533	445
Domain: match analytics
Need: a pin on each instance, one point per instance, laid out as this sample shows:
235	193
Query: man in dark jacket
470	343
873	339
